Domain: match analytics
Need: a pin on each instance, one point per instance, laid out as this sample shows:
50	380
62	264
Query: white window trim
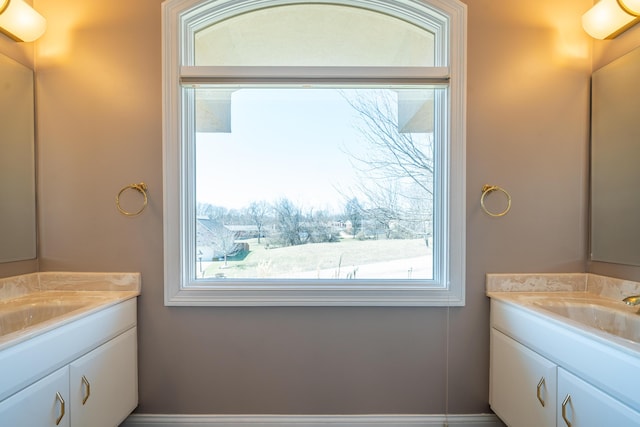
179	23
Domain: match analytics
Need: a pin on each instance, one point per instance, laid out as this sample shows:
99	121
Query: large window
314	153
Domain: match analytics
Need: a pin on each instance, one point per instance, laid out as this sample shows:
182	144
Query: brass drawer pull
565	402
541	384
61	400
87	386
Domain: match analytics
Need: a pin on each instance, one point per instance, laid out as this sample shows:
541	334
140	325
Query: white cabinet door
42	404
585	406
523	384
104	383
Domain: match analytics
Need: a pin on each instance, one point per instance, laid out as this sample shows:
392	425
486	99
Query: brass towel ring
142	188
486	189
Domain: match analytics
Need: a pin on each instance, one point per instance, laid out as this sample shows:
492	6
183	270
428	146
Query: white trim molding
181	20
439	420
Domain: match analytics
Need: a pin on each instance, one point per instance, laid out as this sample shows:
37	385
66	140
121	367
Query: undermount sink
24	316
602	317
32	305
24	313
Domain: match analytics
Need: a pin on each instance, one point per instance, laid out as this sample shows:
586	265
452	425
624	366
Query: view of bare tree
225	242
258	211
396	169
391	155
354	213
288	222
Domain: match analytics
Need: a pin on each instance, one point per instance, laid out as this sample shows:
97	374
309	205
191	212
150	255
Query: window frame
181	19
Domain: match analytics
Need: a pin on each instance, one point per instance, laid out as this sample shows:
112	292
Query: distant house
244	231
214	240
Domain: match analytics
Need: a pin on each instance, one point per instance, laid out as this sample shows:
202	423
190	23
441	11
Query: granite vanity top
589	304
33	304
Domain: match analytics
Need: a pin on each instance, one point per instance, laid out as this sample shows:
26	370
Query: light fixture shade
606	19
20	21
631	6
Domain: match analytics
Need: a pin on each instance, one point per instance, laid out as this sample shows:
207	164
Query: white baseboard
151	420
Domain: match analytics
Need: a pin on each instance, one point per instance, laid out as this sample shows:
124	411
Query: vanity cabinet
530	389
94	382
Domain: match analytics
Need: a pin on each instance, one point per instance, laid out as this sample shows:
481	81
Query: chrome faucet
632	300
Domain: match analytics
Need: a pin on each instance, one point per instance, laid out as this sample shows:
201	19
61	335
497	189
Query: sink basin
24	316
608	319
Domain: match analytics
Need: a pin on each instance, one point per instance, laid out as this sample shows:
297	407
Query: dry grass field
323	260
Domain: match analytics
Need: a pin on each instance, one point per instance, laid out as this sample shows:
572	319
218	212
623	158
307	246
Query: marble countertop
589	304
33	304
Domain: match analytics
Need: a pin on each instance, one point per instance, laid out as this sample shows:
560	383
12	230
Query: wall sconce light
20	21
609	18
631	6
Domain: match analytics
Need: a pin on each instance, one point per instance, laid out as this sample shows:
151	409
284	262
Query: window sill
314	297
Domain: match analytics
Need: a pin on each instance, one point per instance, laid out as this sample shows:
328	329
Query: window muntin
445	19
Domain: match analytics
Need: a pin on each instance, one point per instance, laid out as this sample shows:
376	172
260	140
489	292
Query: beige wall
99	121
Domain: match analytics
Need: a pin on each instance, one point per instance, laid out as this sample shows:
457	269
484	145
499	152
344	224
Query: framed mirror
17	162
615	161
